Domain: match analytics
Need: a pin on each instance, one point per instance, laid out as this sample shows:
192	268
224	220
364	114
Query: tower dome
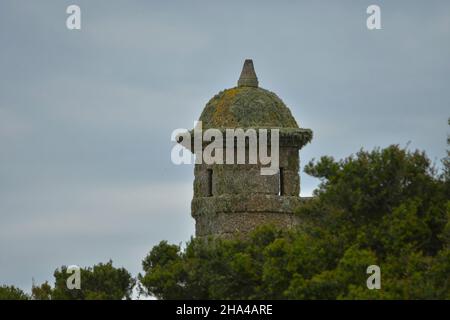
247	106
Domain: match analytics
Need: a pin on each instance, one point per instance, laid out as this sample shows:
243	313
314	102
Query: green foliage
100	282
446	165
387	207
42	292
12	293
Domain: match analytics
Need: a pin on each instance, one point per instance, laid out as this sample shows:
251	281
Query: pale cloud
84	225
96	210
12	125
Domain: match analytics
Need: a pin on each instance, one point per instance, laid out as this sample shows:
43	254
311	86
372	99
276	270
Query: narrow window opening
210	173
281	182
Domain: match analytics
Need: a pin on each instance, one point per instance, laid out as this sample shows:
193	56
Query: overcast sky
86	116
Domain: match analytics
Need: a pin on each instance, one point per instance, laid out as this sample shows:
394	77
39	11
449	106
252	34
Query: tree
42	292
388	207
100	282
12	293
446	164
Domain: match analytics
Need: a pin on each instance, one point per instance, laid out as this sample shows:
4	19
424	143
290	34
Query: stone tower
232	199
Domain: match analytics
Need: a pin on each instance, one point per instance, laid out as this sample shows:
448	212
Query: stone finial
248	76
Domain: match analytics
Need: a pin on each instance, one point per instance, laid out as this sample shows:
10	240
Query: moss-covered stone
232	199
247	107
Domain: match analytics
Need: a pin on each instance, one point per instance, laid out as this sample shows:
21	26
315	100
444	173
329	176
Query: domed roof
247	106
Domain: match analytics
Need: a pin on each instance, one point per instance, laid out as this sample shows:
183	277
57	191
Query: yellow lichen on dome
221	110
247	107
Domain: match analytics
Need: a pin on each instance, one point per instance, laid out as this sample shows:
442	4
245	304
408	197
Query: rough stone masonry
233	199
